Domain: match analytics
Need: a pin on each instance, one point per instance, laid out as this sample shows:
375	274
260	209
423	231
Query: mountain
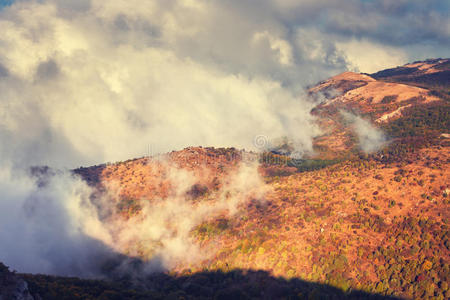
431	73
394	99
340	222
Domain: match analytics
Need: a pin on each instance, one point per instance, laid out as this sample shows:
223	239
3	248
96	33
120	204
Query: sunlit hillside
229	223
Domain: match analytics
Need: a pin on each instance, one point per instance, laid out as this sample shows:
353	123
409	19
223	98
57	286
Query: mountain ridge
371	222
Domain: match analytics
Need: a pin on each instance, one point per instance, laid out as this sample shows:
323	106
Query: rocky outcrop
12	287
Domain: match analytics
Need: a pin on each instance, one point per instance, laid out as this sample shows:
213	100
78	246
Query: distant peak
353	76
417	70
427	64
341	83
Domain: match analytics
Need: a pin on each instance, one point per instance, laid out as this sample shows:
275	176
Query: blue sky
5	3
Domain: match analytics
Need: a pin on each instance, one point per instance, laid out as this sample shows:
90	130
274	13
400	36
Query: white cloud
369	57
49	223
114	80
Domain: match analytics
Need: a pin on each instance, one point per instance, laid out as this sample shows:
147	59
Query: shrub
389	99
378	177
398	178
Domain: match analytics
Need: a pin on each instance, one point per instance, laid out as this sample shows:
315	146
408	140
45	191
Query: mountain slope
429	73
13	286
374	222
381	98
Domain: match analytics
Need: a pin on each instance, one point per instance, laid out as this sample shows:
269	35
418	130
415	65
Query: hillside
383	98
262	225
433	74
331	225
13	286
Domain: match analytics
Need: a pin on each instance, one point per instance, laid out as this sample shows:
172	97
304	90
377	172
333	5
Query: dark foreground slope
13	286
236	284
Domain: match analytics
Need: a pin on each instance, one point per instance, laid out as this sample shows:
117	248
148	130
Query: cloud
408	27
40	231
101	82
162	229
368	57
396	24
282	47
51	223
90	82
108	79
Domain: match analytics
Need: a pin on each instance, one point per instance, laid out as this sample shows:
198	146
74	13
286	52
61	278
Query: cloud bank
101	82
50	223
90	81
43	229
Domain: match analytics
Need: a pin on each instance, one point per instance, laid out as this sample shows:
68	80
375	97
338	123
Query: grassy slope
379	227
376	223
360	224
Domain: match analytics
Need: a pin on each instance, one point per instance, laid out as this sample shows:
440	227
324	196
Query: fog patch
370	138
51	222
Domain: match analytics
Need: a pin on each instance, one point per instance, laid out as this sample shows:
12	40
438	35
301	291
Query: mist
50	223
43	228
162	228
370	138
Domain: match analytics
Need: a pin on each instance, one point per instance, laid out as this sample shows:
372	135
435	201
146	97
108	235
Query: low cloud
52	224
42	228
370	138
163	227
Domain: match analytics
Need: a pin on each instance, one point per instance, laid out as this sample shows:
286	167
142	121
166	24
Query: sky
5	3
90	81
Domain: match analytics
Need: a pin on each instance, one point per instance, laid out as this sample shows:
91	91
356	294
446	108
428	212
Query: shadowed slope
236	284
